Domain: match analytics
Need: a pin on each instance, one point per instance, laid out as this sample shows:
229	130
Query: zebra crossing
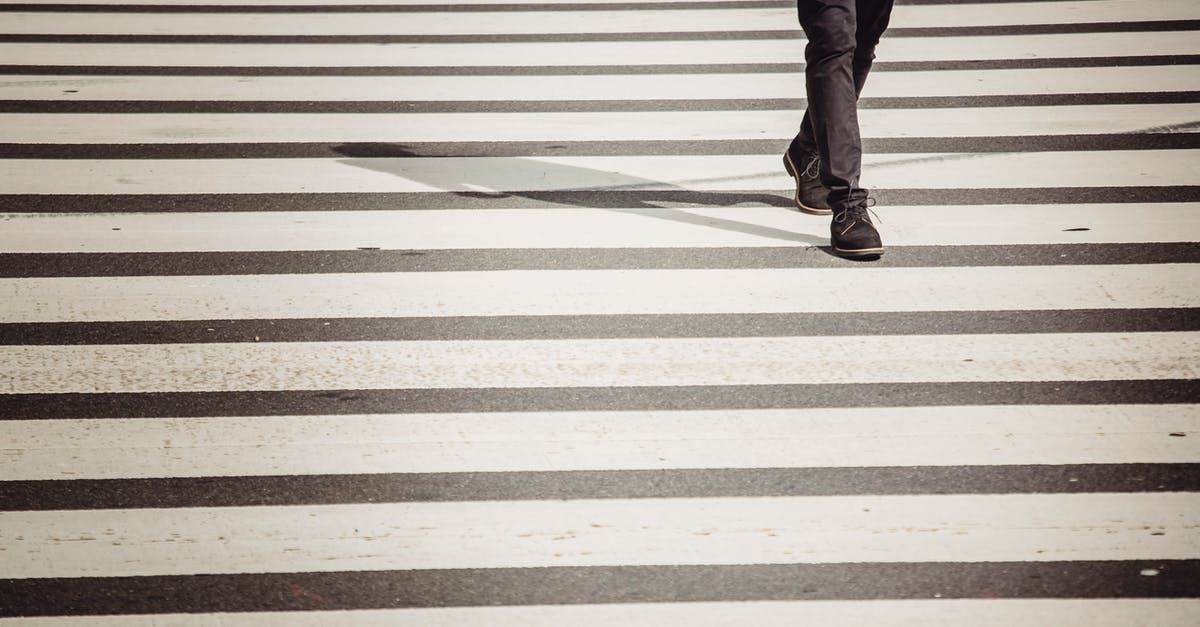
468	312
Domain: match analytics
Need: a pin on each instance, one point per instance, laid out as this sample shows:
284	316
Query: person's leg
833	62
830	27
852	232
873	17
801	158
872	20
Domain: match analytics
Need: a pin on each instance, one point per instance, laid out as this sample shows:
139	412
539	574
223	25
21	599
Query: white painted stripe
879	613
958	528
598	363
1078	12
592	53
416	23
570	292
628	440
708	227
1166	78
335	3
527	174
166	128
1035	46
440	23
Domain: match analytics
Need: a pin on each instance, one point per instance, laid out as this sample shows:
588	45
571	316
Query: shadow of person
560	183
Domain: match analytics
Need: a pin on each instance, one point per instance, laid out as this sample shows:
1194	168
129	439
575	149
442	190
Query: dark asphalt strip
26	265
554	106
601	327
598	199
340	402
598	584
383	150
1149	26
245	491
586	70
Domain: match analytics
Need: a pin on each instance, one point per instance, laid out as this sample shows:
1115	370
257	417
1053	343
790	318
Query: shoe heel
787	165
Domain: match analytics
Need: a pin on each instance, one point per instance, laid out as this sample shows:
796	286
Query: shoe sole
860	252
791	170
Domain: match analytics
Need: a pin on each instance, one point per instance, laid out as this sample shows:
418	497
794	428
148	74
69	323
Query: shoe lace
812	168
857	209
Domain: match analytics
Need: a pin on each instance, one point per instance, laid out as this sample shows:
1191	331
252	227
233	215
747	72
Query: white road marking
483	23
203	128
1111	168
927	528
598	363
568	292
1164	78
599	440
1068	45
715	227
336	3
880	613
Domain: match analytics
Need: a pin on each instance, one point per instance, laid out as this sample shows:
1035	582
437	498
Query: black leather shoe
853	233
811	195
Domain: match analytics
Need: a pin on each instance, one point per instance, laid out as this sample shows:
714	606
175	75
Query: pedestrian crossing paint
531	229
424	24
596	292
474	313
583	54
605	126
598	363
667	87
365	3
532	174
585	22
994	613
605	441
597	533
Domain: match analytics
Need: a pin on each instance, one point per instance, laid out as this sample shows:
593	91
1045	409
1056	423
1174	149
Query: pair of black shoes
851	231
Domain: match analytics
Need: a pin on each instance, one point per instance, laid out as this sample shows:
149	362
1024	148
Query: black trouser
842	35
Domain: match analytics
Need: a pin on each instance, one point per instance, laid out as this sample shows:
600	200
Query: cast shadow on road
573	185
